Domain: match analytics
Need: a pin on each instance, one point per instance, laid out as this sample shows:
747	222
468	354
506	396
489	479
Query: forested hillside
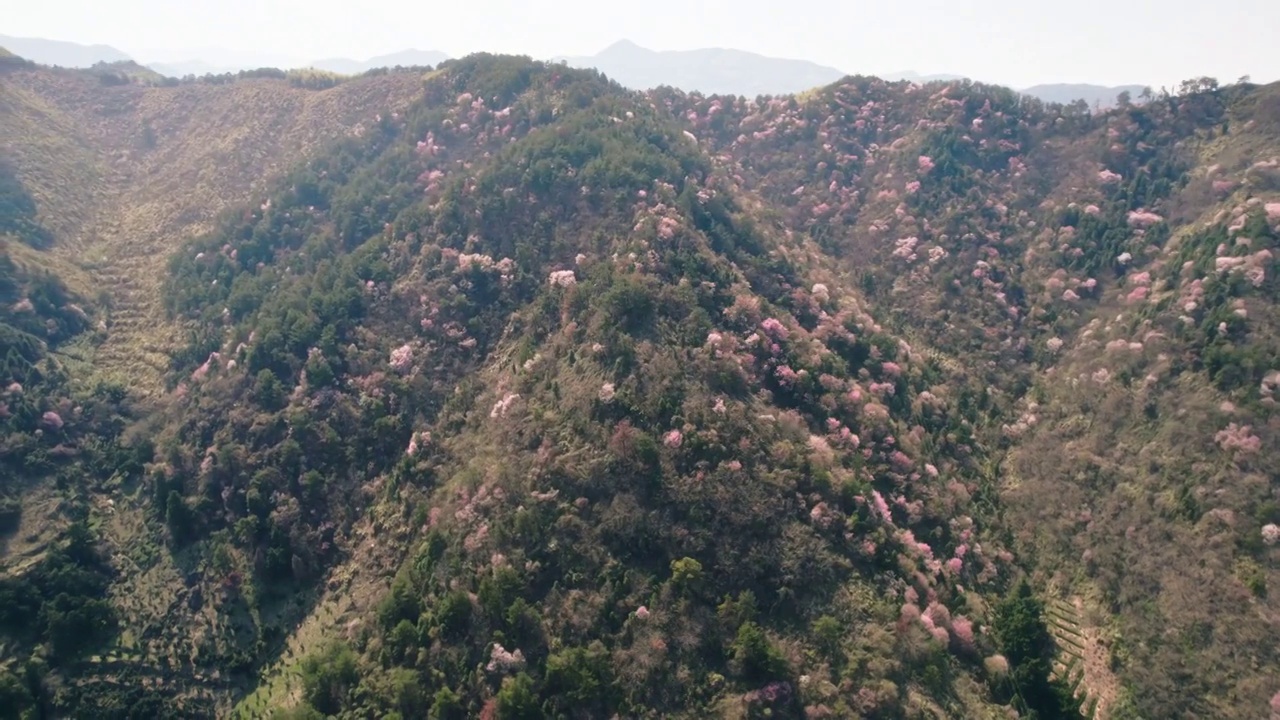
1110	281
502	391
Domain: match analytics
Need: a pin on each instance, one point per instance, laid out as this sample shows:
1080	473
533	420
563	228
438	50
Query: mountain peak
624	46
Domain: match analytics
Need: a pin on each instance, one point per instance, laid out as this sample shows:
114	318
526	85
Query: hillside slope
98	184
622	408
1111	282
121	173
507	392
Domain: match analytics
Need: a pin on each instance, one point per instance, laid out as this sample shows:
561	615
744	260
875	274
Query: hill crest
786	377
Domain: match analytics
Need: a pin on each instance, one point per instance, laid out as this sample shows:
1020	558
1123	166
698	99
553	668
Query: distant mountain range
57	52
710	70
405	58
68	54
344	66
707	70
913	76
1092	94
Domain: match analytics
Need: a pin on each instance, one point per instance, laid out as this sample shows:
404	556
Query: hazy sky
1014	42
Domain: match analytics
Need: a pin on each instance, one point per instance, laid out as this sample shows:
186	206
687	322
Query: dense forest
517	394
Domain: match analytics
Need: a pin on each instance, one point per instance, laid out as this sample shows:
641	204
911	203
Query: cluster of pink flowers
402	358
1121	345
881	507
1271	533
502	661
1273	212
1238	437
667	227
1253	266
905	248
1143	218
935	619
562	278
417	441
428	145
467	261
775	329
786	376
51	420
500	408
673	439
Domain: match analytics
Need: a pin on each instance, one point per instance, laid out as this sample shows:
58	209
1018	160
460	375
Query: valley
500	390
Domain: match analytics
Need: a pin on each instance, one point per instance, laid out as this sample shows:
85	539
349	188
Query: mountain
200	61
711	70
1063	93
404	58
1066	93
708	70
505	391
915	77
58	52
217	62
1106	280
198	68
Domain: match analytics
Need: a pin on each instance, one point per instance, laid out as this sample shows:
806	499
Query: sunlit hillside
500	390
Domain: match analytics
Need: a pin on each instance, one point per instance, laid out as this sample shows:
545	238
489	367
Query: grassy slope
1148	498
117	207
125	195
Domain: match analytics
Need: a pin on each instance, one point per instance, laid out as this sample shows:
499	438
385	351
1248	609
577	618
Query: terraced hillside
124	173
506	392
113	179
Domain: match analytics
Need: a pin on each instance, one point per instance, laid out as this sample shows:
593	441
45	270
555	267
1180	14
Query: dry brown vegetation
124	174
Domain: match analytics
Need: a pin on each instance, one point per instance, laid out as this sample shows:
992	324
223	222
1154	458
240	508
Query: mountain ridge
785	375
59	52
731	71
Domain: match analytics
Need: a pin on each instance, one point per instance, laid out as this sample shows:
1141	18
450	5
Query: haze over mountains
342	66
706	70
58	52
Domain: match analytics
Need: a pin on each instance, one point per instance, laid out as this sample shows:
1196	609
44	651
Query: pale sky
1013	42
